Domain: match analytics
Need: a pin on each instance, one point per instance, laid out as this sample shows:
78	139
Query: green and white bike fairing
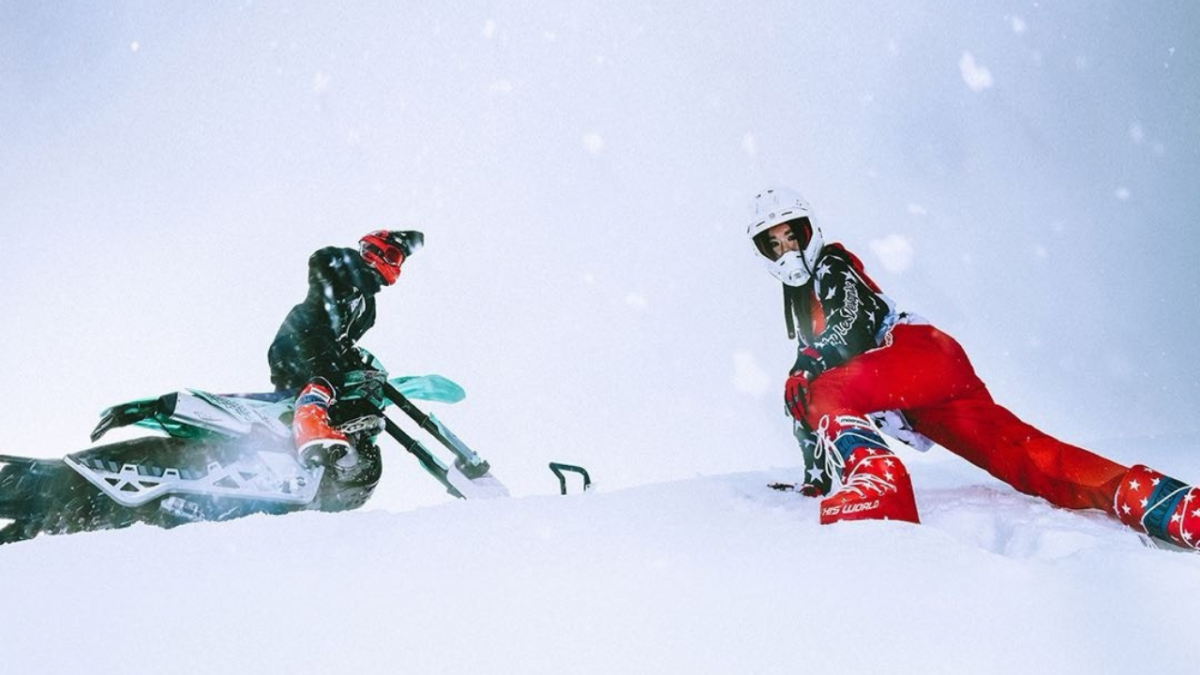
263	475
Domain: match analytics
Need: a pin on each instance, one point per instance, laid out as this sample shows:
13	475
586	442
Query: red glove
795	393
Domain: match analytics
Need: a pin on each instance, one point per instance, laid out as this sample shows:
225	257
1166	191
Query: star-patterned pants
926	374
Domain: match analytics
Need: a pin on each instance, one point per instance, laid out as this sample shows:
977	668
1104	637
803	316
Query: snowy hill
708	575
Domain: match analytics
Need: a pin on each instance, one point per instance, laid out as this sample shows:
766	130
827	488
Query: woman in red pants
860	361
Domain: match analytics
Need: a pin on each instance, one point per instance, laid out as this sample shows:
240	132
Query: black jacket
841	313
317	337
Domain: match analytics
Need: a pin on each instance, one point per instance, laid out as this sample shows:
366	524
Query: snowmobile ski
457	483
467	462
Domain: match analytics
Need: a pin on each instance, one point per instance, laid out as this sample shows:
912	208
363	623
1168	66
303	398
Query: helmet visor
391	255
777	240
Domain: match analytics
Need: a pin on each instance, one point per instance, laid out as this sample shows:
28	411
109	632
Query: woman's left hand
795	393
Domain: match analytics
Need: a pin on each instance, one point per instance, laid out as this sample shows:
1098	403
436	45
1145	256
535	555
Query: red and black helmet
386	250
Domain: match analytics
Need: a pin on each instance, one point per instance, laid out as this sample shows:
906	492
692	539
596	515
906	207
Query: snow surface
708	575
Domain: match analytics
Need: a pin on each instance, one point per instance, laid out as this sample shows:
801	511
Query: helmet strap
797	310
812	238
787	313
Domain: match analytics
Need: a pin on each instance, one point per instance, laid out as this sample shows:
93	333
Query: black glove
339	456
809	360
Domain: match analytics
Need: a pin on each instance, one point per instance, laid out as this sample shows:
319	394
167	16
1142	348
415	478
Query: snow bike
228	456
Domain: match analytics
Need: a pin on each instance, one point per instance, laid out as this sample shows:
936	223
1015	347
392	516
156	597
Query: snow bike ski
223	457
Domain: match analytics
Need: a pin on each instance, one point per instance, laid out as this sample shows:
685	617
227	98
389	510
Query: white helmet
774	207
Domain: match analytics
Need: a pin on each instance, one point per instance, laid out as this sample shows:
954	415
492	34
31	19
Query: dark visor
391	255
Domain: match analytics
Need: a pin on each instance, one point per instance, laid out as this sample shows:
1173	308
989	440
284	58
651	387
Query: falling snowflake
593	143
894	251
321	83
748	376
749	145
976	76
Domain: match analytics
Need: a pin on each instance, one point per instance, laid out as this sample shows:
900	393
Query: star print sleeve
853	311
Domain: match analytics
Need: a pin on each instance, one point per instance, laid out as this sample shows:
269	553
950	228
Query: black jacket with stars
839	313
317	337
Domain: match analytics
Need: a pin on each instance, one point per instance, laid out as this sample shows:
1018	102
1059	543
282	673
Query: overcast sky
1023	174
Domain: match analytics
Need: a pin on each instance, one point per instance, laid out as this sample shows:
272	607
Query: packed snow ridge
709	575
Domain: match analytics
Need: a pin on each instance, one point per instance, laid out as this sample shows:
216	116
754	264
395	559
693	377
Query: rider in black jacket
316	345
318	335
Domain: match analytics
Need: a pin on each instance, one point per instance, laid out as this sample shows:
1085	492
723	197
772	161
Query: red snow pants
926	374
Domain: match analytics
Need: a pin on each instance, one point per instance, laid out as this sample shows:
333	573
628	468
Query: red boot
1160	506
316	442
875	484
